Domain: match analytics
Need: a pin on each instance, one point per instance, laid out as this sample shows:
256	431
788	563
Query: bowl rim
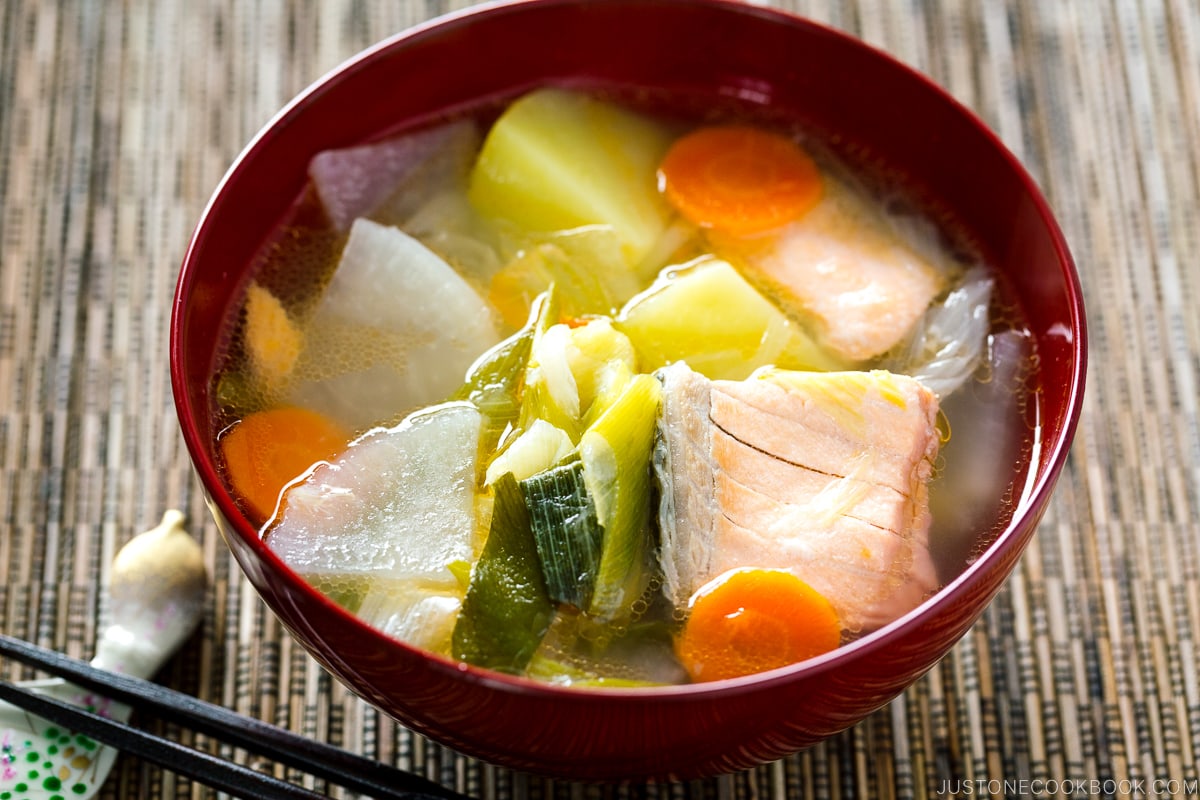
1014	536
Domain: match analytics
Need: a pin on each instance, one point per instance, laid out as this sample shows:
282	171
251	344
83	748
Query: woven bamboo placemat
117	119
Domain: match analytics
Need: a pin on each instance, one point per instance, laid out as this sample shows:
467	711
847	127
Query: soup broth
584	392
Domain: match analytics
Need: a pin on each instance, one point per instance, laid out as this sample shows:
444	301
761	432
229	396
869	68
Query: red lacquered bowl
696	52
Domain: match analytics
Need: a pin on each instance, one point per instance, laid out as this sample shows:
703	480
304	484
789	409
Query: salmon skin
822	474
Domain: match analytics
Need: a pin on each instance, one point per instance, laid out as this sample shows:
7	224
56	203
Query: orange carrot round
739	179
751	620
268	449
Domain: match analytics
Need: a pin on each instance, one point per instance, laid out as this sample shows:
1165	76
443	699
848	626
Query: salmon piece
822	474
686	471
843	270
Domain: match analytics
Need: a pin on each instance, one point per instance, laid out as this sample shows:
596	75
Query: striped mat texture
118	118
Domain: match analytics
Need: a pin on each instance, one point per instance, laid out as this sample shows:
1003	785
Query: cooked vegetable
964	494
273	339
575	652
948	342
398	503
567	674
707	314
751	620
267	450
391	178
551	393
396	329
739	179
507	610
557	160
706	446
585	265
449	225
538	448
565	529
591	514
494	382
569	369
616	459
421	615
602	359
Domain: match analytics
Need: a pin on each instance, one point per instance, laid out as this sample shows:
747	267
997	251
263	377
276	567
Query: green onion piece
616	458
495	379
544	668
495	382
461	570
575	373
585	264
537	448
550	392
506	611
565	530
577	651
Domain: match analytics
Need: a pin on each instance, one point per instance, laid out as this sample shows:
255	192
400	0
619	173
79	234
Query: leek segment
591	515
495	383
551	393
589	506
544	668
507	609
565	529
616	458
572	371
531	452
576	651
585	265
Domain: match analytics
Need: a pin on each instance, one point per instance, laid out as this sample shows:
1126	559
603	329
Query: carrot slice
268	449
739	179
751	620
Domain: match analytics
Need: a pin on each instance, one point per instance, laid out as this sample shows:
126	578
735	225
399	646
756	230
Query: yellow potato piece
707	314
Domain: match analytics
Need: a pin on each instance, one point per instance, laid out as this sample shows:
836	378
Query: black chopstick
212	771
315	758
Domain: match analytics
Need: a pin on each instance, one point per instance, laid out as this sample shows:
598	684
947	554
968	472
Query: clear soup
580	391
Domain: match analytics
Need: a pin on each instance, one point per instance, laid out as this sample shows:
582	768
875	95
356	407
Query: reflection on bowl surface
703	62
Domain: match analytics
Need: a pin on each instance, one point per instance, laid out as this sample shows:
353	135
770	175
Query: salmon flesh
822	474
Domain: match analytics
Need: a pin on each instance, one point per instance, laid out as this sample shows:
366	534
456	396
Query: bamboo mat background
117	119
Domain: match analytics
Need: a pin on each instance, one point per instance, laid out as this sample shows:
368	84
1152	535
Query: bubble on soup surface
396	329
